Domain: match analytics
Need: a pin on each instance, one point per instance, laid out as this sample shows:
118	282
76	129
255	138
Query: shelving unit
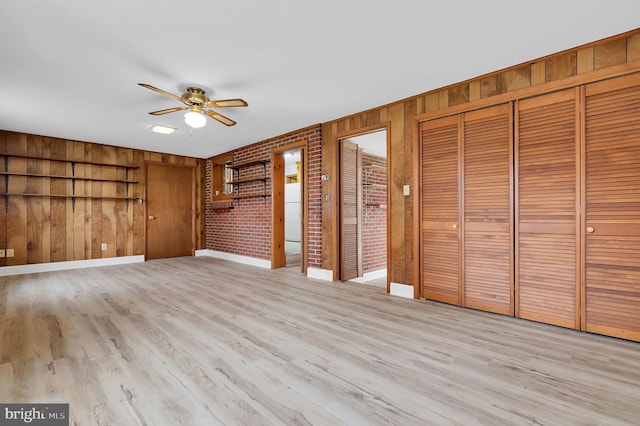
7	175
368	187
238	180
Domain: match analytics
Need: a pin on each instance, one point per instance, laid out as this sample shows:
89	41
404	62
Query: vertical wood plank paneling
34	218
109	214
515	79
17	205
88	203
440	235
57	226
139	218
458	95
586	61
487	227
46	202
3	199
491	85
633	48
96	203
612	205
396	209
69	202
561	67
547	226
538	73
475	91
408	172
610	54
58	241
79	204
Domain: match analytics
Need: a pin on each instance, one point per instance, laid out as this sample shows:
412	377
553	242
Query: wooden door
547	208
170	209
278	257
350	210
612	198
487	249
440	227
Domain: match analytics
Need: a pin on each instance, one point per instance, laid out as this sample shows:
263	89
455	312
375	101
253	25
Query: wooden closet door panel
487	200
440	230
547	200
350	211
612	205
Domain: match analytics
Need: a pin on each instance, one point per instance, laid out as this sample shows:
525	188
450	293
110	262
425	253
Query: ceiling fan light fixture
195	119
165	130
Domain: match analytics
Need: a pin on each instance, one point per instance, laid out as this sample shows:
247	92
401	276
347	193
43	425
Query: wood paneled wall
598	60
43	229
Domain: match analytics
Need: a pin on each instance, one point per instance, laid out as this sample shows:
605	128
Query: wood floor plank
201	341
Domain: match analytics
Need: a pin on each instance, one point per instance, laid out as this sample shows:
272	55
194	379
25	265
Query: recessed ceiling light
165	130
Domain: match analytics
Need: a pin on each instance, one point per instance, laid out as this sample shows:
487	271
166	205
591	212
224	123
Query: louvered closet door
547	224
440	230
487	228
612	227
350	208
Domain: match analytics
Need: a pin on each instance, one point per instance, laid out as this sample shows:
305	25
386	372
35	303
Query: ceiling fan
197	103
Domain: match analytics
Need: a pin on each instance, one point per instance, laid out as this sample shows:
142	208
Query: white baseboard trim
261	263
402	290
368	276
320	274
63	266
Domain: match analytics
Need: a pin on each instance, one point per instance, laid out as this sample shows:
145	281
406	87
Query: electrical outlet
103	247
10	253
2	253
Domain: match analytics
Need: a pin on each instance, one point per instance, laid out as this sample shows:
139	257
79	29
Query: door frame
335	189
146	203
278	258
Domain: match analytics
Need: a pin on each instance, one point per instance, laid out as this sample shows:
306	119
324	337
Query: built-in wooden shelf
245	196
94	163
249	179
67	177
73	196
374	168
239	181
375	185
98	197
249	164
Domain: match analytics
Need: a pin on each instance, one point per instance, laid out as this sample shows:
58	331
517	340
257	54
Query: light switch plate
2	253
406	190
10	253
103	246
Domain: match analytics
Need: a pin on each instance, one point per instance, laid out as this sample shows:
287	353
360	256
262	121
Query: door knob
455	226
591	229
151	217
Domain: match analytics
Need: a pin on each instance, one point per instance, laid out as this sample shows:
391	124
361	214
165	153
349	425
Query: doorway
289	223
170	211
363	208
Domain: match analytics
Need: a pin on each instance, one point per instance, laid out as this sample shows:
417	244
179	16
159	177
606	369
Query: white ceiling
70	68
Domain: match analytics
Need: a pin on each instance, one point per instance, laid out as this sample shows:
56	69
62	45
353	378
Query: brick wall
246	229
374	217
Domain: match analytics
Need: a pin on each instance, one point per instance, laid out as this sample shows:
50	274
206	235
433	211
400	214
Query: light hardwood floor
200	341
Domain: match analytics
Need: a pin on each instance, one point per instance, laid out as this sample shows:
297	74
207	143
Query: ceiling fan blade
162	92
168	110
226	103
221	118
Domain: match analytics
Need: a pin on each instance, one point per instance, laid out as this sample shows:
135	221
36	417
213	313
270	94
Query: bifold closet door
440	200
547	207
487	199
612	205
350	210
